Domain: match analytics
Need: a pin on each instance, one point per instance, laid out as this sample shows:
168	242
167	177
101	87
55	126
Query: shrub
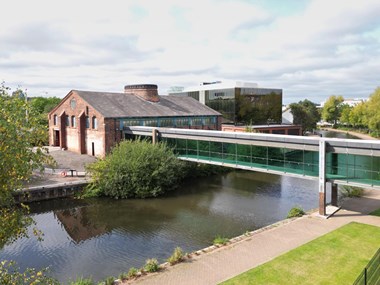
10	274
219	240
132	272
82	281
151	265
136	169
351	191
123	276
109	281
295	212
176	257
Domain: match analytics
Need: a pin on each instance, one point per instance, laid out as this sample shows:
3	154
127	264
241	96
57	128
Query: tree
358	115
305	113
345	113
374	111
21	153
332	108
43	105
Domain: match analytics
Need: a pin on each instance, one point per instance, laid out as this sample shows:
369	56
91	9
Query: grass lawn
335	258
375	213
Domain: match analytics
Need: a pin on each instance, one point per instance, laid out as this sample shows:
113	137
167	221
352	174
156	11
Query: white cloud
327	47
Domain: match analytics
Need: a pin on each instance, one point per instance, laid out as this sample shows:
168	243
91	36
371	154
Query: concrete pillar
322	177
334	195
154	136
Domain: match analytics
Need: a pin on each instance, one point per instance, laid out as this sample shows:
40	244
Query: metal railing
371	273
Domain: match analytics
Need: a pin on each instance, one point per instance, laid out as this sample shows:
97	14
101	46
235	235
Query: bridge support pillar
322	177
322	203
334	195
154	136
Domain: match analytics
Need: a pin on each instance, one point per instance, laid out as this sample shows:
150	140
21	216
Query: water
104	237
332	134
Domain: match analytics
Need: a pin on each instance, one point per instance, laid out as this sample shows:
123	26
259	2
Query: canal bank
351	133
226	262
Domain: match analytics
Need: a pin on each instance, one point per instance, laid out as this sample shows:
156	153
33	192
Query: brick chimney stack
147	92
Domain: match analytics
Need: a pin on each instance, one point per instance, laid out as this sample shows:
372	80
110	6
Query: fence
371	273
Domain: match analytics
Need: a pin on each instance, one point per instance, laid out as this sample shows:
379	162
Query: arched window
94	123
67	121
87	122
73	122
55	120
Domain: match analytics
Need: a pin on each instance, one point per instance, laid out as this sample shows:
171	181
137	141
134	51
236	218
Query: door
56	138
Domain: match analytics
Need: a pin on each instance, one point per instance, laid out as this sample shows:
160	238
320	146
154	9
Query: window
73	122
94	123
55	120
67	121
87	122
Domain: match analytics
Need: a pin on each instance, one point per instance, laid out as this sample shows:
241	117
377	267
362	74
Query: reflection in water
102	237
340	135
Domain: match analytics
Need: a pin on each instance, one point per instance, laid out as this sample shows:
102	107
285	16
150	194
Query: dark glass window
94	122
87	122
73	122
55	119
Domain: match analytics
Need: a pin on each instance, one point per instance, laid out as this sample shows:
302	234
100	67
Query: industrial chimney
147	92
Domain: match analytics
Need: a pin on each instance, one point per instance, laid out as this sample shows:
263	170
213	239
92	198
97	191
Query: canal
102	237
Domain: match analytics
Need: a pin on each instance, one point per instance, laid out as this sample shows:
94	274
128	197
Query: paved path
65	160
229	261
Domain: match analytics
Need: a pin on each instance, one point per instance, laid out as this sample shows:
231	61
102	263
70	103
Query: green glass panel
311	163
243	153
294	161
192	147
229	152
216	150
181	146
259	155
204	148
275	158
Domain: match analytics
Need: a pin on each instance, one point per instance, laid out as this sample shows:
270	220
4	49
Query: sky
312	49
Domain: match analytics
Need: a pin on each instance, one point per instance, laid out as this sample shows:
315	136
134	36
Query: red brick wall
72	135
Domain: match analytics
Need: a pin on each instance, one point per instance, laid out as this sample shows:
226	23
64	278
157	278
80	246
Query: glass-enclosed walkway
346	161
336	161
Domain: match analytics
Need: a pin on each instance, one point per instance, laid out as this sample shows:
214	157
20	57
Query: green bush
136	169
123	276
132	272
151	265
295	212
10	275
176	257
351	191
109	280
219	240
82	281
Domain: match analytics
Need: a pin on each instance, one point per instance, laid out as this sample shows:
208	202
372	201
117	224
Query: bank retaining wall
39	193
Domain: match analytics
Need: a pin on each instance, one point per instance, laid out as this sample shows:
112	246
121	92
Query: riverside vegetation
140	169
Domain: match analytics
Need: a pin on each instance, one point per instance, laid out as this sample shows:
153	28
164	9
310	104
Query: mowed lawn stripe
335	258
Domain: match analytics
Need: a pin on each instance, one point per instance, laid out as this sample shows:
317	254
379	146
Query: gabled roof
119	105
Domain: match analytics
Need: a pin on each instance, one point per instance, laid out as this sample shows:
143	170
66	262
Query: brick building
93	122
